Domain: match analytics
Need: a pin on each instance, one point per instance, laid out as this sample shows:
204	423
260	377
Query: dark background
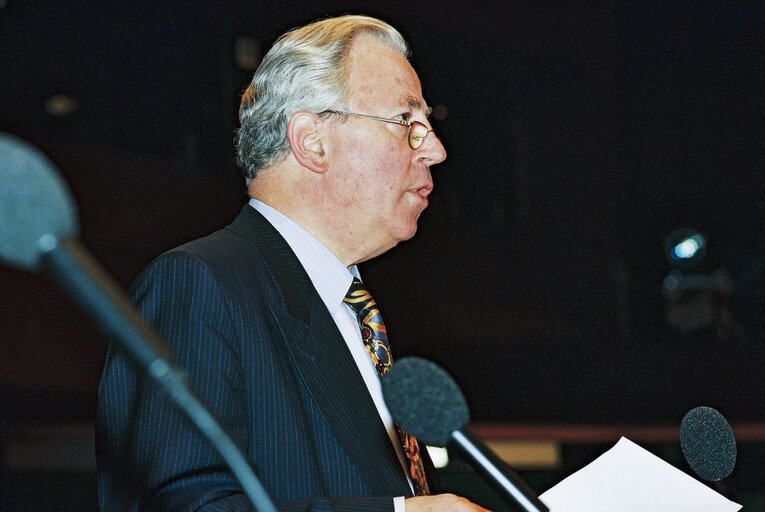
579	136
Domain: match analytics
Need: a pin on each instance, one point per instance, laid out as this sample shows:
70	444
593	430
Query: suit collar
290	277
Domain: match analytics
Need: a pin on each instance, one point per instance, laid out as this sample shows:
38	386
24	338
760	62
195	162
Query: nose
432	151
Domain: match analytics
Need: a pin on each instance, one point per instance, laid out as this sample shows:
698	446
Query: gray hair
304	70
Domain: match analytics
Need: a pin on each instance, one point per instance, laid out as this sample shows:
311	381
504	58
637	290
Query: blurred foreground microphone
38	227
426	402
38	230
34	201
709	446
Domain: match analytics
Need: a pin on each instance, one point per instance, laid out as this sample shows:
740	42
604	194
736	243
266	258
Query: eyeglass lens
417	134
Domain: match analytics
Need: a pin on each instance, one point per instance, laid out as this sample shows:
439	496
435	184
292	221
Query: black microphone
709	446
426	402
38	230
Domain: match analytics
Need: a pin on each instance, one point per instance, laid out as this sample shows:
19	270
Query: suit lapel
331	376
324	362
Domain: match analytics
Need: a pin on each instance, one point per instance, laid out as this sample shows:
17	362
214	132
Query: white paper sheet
628	478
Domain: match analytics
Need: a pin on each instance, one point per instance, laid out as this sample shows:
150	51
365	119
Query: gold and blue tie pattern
376	341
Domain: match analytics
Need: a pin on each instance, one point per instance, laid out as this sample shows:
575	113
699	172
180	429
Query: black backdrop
579	135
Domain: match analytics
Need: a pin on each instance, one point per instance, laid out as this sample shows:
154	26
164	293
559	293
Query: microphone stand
496	471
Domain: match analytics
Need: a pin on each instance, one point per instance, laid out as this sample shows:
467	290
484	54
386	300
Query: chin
408	233
404	229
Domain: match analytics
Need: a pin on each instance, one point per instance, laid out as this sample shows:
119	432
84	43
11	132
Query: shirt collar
327	273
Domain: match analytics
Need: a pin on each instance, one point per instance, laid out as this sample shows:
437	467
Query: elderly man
268	316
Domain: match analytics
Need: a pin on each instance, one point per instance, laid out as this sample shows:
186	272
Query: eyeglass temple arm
387	120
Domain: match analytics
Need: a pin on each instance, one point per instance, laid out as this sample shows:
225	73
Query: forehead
380	77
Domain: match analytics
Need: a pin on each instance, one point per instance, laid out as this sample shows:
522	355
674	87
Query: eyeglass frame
402	122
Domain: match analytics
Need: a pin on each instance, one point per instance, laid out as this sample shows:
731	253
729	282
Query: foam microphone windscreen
34	201
424	400
708	443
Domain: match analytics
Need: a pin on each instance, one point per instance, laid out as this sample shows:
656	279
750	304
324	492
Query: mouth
424	190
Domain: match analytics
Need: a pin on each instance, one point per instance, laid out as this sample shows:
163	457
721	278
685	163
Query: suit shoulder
223	257
221	249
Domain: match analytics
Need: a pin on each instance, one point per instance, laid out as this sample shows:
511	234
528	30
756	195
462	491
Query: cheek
377	169
393	167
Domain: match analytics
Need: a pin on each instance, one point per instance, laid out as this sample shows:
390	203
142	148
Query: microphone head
34	201
424	400
708	443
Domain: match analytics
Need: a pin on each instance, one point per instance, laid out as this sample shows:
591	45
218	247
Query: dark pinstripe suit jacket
263	353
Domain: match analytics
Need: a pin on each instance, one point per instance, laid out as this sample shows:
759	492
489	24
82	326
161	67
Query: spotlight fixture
694	299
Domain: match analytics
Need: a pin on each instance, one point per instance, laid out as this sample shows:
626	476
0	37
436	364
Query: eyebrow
415	104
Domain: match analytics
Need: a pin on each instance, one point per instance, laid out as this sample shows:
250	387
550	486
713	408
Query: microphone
708	445
38	230
34	201
426	402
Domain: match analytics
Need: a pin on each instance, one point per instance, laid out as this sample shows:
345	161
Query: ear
304	133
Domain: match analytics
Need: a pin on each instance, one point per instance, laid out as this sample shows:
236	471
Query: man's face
381	183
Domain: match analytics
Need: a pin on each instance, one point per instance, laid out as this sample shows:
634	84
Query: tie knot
358	297
371	325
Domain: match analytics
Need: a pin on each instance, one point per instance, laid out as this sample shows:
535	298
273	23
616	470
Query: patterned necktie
376	340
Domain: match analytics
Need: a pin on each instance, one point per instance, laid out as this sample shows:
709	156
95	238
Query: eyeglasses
416	134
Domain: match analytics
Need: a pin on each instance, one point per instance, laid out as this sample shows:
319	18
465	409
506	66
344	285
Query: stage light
685	248
61	105
247	53
695	299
